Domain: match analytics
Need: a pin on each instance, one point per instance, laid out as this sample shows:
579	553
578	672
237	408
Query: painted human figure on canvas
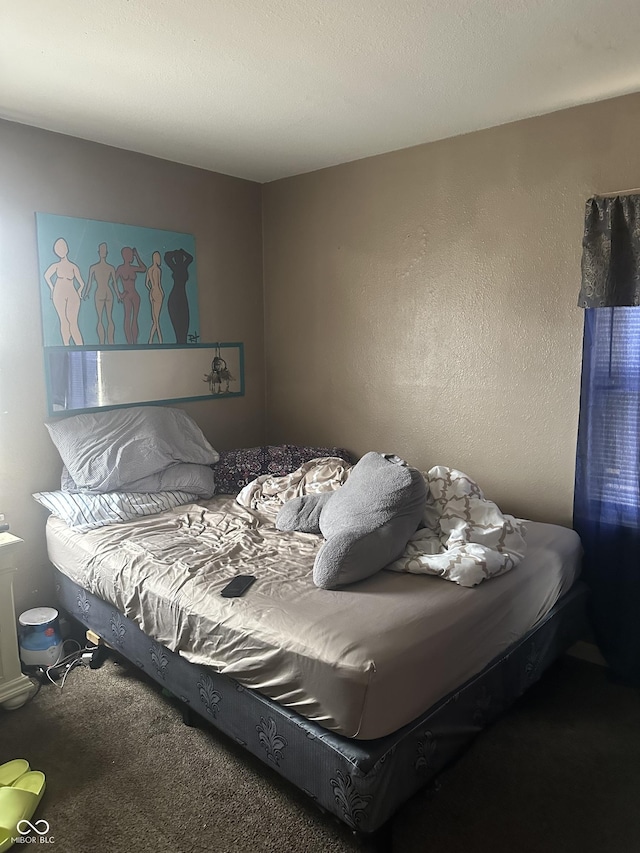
61	278
129	296
153	283
104	275
178	304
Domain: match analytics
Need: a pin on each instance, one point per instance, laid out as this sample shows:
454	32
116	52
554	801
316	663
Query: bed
359	696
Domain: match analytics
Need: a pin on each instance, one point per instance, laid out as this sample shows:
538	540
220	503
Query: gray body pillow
369	520
302	514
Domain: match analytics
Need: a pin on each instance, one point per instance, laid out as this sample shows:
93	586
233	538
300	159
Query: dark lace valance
611	253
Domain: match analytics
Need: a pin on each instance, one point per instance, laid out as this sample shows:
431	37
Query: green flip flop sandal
12	770
18	802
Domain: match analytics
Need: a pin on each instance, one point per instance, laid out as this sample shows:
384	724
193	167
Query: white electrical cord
68	662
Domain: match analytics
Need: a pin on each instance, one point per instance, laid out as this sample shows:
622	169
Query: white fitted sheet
362	661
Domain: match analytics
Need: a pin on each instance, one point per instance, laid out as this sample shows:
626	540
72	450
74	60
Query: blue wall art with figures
106	284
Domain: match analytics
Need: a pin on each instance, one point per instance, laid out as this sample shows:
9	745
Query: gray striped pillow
83	512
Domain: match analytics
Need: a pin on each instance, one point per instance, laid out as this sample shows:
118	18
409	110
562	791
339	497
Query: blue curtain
607	487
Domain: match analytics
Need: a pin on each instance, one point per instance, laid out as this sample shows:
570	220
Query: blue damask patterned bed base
362	782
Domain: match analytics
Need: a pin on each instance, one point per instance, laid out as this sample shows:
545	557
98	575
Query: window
612	370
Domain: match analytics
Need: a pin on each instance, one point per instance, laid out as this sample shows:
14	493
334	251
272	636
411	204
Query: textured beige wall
48	172
424	301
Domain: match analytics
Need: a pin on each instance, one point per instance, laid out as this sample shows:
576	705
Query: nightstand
15	688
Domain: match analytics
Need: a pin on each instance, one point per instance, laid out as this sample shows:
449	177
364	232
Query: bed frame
361	782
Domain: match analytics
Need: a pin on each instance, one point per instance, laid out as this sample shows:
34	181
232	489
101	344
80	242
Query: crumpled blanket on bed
465	538
267	493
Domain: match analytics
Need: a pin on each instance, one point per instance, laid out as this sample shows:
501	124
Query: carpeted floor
560	773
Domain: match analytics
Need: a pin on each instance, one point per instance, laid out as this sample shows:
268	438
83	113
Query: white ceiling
268	88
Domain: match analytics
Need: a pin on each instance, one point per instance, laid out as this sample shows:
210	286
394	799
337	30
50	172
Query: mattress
363	661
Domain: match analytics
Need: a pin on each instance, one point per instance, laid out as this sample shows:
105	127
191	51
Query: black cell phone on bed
238	586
